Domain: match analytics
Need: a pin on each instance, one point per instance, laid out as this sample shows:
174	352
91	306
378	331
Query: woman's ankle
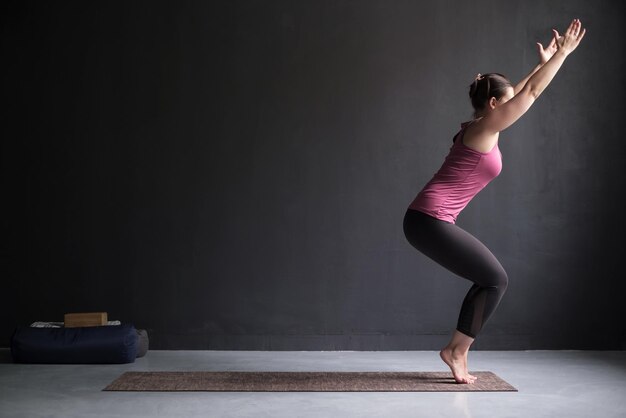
459	350
456	350
460	342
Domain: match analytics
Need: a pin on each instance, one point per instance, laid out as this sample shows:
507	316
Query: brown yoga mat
306	382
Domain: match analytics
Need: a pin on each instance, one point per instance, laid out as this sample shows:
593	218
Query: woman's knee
502	280
498	279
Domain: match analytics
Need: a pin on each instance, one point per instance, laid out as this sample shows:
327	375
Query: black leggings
462	254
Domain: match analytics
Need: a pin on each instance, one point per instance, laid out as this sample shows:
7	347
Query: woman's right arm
501	117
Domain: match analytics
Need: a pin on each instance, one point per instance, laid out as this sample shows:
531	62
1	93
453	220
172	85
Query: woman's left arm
544	56
522	83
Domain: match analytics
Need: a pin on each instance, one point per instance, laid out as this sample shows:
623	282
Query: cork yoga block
87	319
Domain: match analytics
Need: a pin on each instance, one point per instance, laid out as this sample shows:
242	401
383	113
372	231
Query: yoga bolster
82	345
142	342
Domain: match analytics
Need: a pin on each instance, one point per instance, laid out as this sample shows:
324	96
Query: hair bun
473	88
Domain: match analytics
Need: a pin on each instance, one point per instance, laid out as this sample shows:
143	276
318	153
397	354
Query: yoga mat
306	382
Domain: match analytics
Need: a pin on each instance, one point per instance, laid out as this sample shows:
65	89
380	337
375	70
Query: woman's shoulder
476	139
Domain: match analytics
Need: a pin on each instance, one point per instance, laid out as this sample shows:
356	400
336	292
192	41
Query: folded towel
42	324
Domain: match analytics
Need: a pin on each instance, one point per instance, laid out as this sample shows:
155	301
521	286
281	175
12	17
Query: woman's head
489	90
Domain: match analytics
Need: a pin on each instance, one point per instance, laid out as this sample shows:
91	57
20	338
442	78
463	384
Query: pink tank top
464	173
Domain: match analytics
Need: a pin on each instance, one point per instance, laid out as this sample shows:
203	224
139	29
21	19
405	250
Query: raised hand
547	52
572	37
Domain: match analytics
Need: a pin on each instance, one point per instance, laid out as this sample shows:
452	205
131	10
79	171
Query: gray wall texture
234	174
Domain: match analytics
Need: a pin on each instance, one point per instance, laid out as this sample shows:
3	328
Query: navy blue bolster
81	345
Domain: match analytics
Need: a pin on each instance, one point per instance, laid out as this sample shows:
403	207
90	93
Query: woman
474	160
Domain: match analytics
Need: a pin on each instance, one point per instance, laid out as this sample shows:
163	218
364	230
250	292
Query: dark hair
487	86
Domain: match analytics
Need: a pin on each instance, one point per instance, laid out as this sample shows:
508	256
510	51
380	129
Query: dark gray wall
233	175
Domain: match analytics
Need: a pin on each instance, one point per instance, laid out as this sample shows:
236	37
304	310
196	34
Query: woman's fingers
572	26
574	29
558	39
552	42
574	34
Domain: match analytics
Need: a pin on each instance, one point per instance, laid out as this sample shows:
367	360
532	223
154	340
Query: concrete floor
550	383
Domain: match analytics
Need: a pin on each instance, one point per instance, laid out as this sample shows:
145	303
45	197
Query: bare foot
465	367
458	365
